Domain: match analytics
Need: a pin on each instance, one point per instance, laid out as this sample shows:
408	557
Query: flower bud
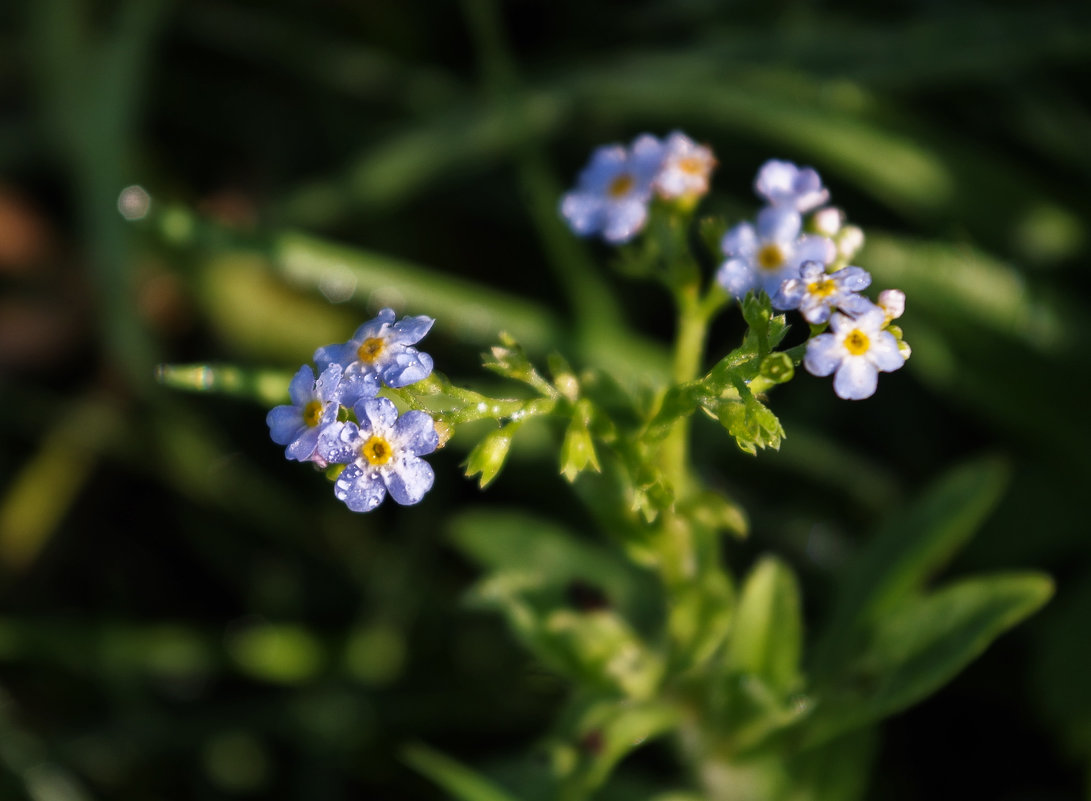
892	302
827	221
578	450
849	240
777	367
488	456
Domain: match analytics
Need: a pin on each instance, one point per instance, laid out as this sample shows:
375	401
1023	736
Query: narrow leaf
911	547
461	782
917	648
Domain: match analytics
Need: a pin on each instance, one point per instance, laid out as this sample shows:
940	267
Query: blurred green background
185	615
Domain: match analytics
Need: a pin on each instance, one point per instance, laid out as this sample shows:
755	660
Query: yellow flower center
377	451
692	165
312	413
857	342
823	288
621	185
370	350
770	257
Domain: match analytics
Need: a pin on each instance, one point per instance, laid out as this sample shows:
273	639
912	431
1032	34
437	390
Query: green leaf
554	558
601	735
909	549
595	648
835	771
767	638
915	649
461	782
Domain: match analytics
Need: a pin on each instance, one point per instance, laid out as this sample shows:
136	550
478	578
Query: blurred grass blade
908	550
519	542
43	491
920	646
461	782
267	387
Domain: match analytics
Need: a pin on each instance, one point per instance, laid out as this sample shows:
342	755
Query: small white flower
857	350
685	168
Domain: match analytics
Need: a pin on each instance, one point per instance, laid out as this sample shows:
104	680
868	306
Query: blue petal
737	277
884	353
410	480
814	310
342	354
407	368
339	443
811	270
284	423
415	433
741	240
376	414
775	179
410	330
304	446
856	379
326	387
624	220
856	305
359	381
583	211
301	390
777	224
789	294
373	327
607	162
361	490
824	354
853	278
814	248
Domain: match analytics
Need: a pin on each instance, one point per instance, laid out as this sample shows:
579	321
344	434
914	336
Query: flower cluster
338	418
797	249
809	273
616	187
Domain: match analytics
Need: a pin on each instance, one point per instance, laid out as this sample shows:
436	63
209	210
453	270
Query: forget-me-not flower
817	293
764	255
382	454
613	191
856	349
785	185
382	349
314	406
684	169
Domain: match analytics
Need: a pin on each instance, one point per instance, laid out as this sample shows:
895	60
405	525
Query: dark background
184	614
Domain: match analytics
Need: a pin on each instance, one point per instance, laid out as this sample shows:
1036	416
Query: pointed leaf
461	782
915	649
910	549
767	637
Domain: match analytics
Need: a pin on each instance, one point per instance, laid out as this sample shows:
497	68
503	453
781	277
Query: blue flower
684	169
314	406
785	185
857	350
612	194
762	256
382	454
381	349
816	293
